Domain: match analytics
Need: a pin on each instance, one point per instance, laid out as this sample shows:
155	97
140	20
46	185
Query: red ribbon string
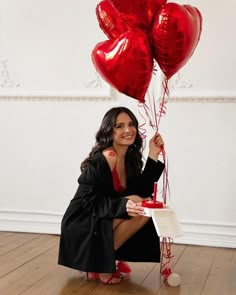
153	117
149	113
166	187
166	257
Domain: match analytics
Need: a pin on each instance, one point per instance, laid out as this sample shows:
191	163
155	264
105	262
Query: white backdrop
51	103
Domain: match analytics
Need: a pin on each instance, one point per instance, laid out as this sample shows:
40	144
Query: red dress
116	181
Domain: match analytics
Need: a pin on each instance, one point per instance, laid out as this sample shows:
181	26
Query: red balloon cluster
139	32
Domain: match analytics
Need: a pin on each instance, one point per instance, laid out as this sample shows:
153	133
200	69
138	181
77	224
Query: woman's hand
156	144
134	206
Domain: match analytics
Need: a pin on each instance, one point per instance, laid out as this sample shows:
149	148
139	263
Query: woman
105	221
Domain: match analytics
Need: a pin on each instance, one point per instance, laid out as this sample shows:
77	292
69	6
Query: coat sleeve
144	183
96	194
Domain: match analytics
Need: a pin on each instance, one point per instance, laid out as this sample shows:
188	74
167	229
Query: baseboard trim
194	232
206	233
29	221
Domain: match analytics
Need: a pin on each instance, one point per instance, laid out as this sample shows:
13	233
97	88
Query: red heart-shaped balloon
126	63
175	35
139	13
110	20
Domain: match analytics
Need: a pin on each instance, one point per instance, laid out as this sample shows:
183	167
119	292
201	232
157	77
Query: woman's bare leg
126	228
123	229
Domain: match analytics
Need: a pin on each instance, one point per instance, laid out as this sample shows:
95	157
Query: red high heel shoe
95	276
123	267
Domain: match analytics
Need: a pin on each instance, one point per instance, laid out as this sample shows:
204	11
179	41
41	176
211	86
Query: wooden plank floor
28	266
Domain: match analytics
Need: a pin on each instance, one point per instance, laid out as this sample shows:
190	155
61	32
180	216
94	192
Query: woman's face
124	132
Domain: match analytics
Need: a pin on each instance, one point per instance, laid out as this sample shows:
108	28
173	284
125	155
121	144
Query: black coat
86	241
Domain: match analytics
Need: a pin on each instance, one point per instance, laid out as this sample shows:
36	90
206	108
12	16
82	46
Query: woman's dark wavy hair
104	139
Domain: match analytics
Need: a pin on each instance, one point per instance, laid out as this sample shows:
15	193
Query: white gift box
165	221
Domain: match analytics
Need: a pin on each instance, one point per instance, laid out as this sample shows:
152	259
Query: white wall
44	138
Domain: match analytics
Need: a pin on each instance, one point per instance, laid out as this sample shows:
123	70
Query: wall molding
30	221
194	232
111	96
58	96
181	90
94	88
208	234
177	82
5	79
203	98
91	90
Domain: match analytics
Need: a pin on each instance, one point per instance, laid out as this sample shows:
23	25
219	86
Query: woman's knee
135	198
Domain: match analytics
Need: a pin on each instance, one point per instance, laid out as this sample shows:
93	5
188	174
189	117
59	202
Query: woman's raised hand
156	144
